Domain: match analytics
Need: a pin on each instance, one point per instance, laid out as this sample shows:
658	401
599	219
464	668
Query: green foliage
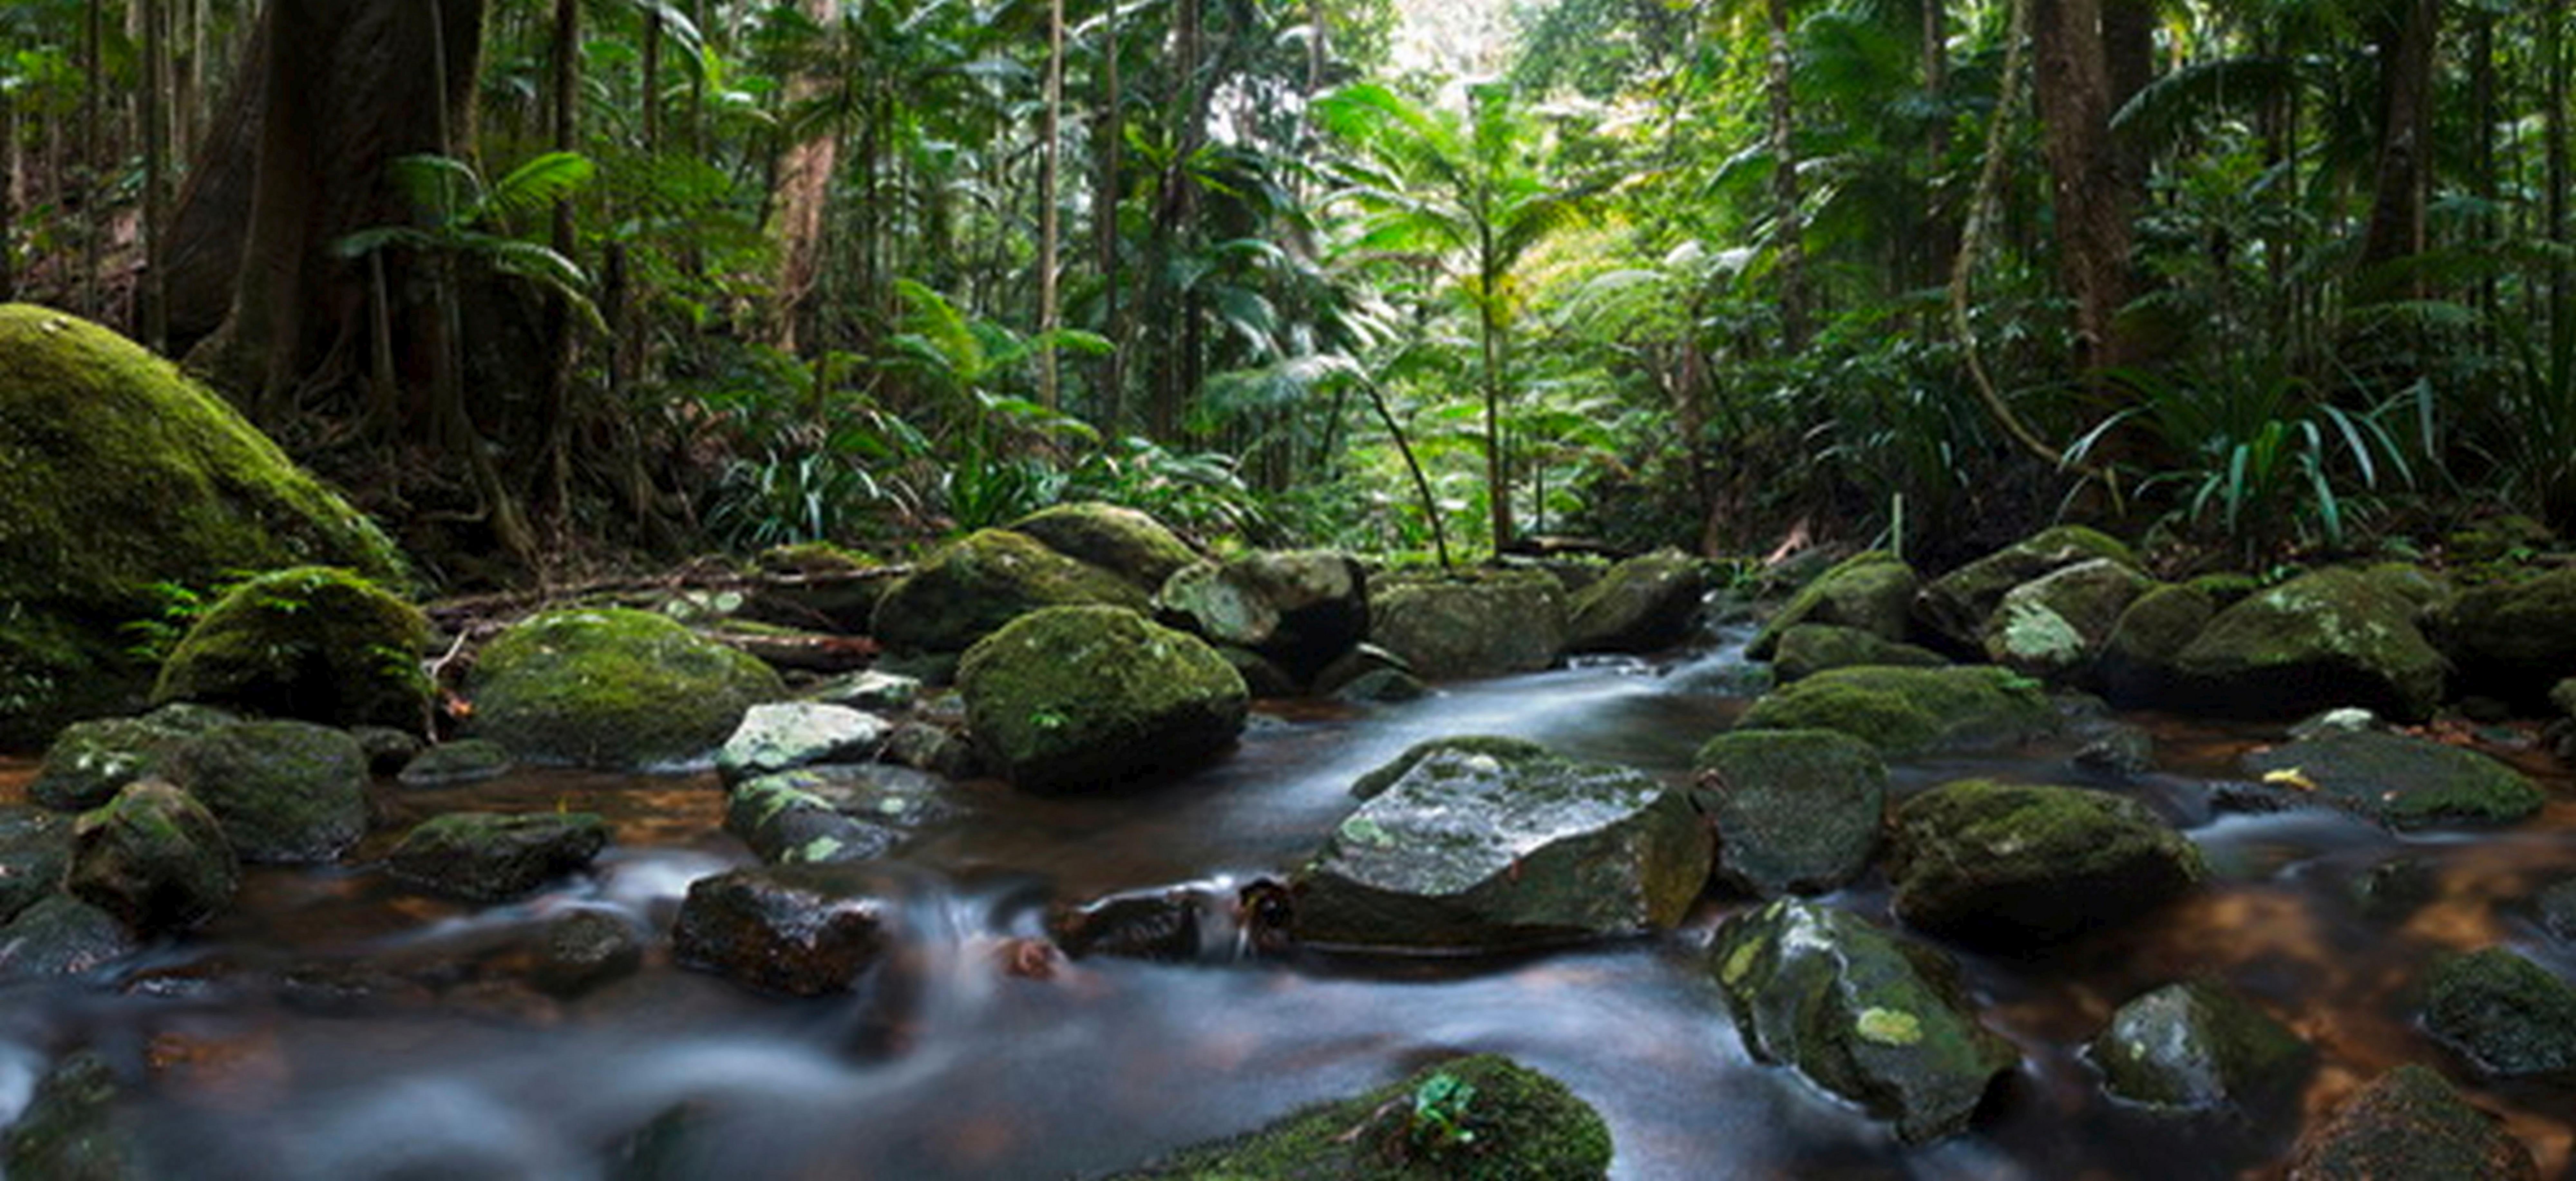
462	215
1438	1123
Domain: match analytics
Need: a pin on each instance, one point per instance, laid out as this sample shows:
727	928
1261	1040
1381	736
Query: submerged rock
2555	905
2199	1046
35	849
778	736
155	858
805	930
89	762
1872	1017
1481	844
2508	1013
1492	623
1089	698
584	948
76	1127
1908	712
1484	1117
291	793
2015	865
491	857
311	642
614	689
1810	648
466	760
1173	924
2336	637
2401	781
1796	811
1872	592
61	936
2410	1123
986	579
1643	604
1957	605
857	812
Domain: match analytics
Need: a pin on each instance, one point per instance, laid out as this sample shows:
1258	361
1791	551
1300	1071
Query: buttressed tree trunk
2092	203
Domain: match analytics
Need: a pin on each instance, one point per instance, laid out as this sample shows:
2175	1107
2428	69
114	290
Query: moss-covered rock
1908	712
2054	626
849	812
1487	624
1643	604
286	792
310	642
490	857
1130	544
1797	811
2514	639
35	849
614	689
77	1126
777	736
973	586
119	480
2400	780
2199	1046
1480	1118
61	936
1956	606
804	930
2137	666
1488	844
1299	610
1085	698
2410	1123
155	858
89	762
1880	1020
1872	591
1810	648
2019	865
2336	637
465	760
2509	1014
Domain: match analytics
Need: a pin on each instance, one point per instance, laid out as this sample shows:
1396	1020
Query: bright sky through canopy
1452	38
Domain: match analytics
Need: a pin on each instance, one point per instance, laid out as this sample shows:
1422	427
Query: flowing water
339	1027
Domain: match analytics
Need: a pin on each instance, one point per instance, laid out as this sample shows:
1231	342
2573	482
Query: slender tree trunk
1940	239
93	155
2553	58
2406	40
555	413
153	295
1050	150
10	169
2074	93
1489	320
1788	232
2486	229
803	193
1107	189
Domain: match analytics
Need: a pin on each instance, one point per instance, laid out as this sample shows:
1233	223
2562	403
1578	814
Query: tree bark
1051	151
1788	232
212	217
803	190
2405	34
2092	205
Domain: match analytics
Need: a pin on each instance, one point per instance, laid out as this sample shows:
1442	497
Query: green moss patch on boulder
1130	544
974	585
1085	698
1810	648
286	792
1484	1118
1908	712
2509	1014
465	760
120	479
1873	591
1797	811
1956	606
1481	625
2336	637
2015	866
89	762
2054	626
1643	604
614	689
311	642
155	858
1875	1018
2400	780
2199	1046
2410	1123
492	857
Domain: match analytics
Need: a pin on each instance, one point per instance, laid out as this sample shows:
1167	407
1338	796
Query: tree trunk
9	171
1788	233
204	251
1050	148
803	191
92	155
2074	93
555	413
2405	35
2553	59
152	295
1107	189
1940	237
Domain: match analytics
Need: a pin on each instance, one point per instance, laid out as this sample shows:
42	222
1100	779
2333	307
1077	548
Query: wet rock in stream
585	948
2199	1046
2410	1123
848	812
1909	712
2018	865
2336	637
61	936
1796	811
1811	648
2511	1015
448	764
612	688
1298	610
155	858
490	857
89	762
1643	604
309	642
806	930
1072	699
2399	780
35	849
780	736
291	793
1871	592
1957	607
1481	625
76	1127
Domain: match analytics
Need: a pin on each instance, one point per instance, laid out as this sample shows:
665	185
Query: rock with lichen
1073	699
614	689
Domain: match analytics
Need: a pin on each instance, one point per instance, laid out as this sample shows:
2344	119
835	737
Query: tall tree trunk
93	154
204	252
1940	237
803	193
2073	86
10	170
562	332
1107	190
1788	232
2555	178
2487	228
2405	34
1050	150
153	294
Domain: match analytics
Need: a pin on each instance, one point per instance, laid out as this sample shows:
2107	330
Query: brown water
339	1027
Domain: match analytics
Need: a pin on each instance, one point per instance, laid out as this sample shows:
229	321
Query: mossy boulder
614	689
1908	712
77	1125
1298	609
492	857
61	936
1956	606
1486	844
2514	639
1873	1017
2199	1046
778	736
1479	1118
974	585
849	812
2335	637
2509	1014
2137	666
35	849
89	762
286	792
1087	698
2015	866
2056	625
465	760
2400	780
1130	544
803	930
155	858
1480	625
1643	604
1806	649
311	642
1796	811
1872	591
120	480
2410	1123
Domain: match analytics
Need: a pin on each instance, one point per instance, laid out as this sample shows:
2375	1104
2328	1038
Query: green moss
1906	712
1958	604
311	642
1810	648
2336	637
1073	697
118	474
1496	747
984	580
613	688
1872	591
2026	863
1121	540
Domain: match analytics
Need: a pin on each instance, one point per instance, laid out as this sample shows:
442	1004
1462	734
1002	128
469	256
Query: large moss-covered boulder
1796	811
1130	544
1810	648
1908	712
1086	698
2410	1123
2054	626
1956	606
89	762
1872	591
2400	780
155	858
490	856
613	688
310	642
804	930
1483	1117
2137	667
1484	625
2332	638
120	480
2509	1014
286	792
35	849
1485	843
2199	1046
2513	639
988	578
1298	609
1643	604
2014	866
1875	1018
